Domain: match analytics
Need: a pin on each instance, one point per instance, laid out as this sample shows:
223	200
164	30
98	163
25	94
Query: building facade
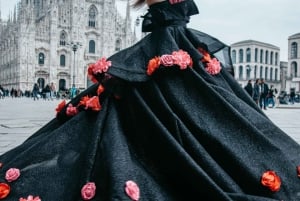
293	73
253	59
54	41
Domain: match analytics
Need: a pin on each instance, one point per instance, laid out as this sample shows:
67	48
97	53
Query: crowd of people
48	92
263	95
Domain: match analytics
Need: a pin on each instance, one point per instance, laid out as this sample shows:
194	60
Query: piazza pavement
21	117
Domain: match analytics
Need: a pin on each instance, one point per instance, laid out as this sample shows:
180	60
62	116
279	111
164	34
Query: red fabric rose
153	65
100	89
88	191
4	190
60	106
271	180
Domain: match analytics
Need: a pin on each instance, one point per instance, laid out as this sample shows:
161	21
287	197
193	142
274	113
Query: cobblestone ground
21	117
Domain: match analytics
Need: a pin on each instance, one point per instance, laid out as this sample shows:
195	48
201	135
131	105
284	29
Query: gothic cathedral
54	41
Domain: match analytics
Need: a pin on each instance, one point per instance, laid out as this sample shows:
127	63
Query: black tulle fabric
179	134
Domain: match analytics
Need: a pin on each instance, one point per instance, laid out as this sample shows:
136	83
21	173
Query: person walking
35	91
264	90
271	96
249	88
256	91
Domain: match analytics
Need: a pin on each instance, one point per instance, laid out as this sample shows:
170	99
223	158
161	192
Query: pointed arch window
63	38
294	50
41	58
92	16
92	47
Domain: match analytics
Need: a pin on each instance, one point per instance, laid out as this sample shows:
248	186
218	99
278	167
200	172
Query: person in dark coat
249	88
164	121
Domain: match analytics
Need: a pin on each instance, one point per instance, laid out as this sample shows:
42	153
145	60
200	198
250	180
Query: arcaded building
253	59
293	72
46	41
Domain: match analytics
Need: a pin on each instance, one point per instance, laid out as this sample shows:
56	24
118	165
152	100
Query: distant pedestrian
270	96
292	96
35	91
264	89
256	91
249	88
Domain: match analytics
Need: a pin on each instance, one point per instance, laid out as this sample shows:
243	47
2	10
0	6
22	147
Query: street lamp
74	46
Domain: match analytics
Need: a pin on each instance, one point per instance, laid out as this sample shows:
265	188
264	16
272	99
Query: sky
231	21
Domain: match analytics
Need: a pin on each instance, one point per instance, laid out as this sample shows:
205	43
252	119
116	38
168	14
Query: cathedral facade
54	41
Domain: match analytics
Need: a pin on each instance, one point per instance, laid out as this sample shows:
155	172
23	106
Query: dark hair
138	3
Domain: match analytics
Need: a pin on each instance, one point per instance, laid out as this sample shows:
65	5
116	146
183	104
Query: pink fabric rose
88	191
12	174
213	67
71	110
166	60
101	66
182	59
175	1
132	190
31	198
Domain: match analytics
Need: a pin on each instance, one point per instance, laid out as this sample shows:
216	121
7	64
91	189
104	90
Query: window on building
294	50
261	56
92	47
41	58
276	58
294	69
240	72
271	59
267	57
248	55
276	74
271	74
92	16
256	55
118	45
248	72
255	72
261	72
241	56
62	38
266	73
62	60
233	56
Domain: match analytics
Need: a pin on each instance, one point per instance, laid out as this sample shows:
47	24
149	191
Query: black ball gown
164	121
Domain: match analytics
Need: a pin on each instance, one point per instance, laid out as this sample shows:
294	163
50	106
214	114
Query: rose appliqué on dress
271	180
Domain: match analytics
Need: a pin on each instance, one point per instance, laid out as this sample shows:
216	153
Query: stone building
293	73
48	41
253	59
